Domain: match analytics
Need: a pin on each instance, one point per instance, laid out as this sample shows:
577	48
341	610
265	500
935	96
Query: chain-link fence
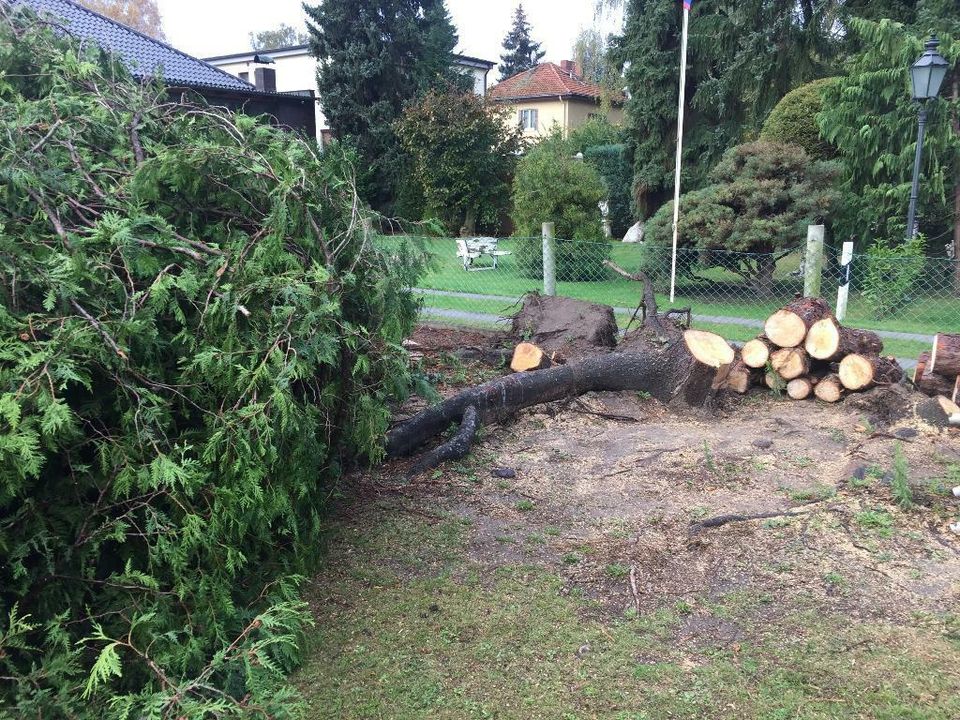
477	282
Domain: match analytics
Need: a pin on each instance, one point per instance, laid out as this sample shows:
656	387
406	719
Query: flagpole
676	178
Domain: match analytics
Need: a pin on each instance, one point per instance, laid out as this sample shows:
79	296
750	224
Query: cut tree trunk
709	348
932	384
858	372
527	356
739	377
788	326
756	352
828	340
938	411
945	355
800	388
829	389
790	363
922	360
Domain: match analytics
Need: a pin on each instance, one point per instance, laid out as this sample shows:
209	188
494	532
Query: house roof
144	56
247	56
543	81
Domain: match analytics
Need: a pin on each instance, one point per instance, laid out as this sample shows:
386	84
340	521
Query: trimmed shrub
793	120
616	171
552	186
195	337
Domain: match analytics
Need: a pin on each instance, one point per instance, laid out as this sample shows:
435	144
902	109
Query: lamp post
926	76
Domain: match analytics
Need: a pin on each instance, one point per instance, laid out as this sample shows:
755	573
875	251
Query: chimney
571	68
265	79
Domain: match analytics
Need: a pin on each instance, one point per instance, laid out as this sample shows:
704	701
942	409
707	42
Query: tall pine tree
373	57
522	52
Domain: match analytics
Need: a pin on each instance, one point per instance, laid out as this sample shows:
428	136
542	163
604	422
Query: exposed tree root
453	449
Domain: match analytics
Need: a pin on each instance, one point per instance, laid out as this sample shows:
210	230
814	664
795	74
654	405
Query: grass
714	292
408	627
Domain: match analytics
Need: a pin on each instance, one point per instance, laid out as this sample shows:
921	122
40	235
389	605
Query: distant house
551	94
294	68
147	58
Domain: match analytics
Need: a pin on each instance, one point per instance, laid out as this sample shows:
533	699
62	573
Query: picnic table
473	248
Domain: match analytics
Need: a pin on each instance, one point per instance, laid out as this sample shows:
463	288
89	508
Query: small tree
522	52
794	120
552	186
283	36
761	198
463	153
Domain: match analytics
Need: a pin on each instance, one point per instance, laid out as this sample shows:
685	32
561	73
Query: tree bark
788	326
945	355
766	266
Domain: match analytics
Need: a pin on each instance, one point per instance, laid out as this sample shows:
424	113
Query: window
528	119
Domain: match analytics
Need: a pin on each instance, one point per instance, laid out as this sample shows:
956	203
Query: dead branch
98	326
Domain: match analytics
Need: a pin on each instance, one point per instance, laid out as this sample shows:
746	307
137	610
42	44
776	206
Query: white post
549	261
676	177
813	261
846	259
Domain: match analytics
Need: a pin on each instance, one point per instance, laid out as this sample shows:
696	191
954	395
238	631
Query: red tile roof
544	80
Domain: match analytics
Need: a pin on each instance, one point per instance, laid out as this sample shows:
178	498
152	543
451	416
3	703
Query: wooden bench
473	248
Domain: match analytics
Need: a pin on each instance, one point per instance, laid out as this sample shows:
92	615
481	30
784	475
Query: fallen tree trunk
858	372
945	355
828	340
788	326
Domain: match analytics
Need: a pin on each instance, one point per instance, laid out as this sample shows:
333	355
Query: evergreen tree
374	56
522	52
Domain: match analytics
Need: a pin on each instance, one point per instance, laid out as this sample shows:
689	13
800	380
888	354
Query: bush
891	274
195	337
552	186
616	171
793	120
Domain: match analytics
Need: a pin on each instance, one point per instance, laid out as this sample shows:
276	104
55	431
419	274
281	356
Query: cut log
773	381
788	326
790	363
527	356
932	384
800	388
858	372
829	389
922	360
739	377
828	340
945	355
709	348
756	352
938	411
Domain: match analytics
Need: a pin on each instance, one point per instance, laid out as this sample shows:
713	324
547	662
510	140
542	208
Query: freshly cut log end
828	340
857	372
829	389
789	363
756	352
945	355
938	411
527	356
739	377
709	348
788	326
800	388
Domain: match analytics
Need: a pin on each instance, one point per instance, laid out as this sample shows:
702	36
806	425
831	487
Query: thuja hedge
195	339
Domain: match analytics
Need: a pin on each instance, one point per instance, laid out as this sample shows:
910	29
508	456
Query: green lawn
715	292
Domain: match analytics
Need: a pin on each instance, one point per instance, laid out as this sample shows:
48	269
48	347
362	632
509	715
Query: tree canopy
522	53
142	15
282	36
373	57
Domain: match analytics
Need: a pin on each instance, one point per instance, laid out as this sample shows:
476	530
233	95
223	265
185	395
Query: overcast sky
219	27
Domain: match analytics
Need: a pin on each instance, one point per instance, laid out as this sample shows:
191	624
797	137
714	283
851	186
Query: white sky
219	27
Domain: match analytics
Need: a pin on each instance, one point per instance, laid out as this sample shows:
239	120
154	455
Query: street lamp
926	76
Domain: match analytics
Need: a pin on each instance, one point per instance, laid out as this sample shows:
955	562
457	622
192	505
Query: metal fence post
549	261
843	292
813	261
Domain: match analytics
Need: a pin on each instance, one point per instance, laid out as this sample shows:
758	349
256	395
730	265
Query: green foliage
522	53
891	273
743	62
613	164
595	131
869	117
195	337
372	58
282	36
793	121
900	483
552	186
463	154
761	198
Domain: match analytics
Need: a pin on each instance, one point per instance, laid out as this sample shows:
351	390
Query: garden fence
731	293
